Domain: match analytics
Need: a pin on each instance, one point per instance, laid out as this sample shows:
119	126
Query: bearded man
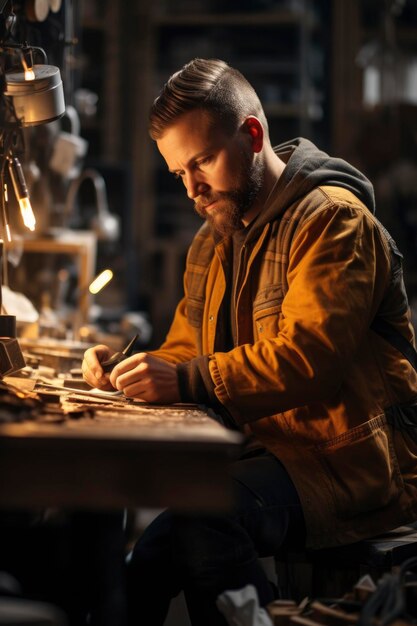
276	333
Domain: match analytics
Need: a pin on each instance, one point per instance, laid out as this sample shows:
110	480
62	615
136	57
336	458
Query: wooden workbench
142	455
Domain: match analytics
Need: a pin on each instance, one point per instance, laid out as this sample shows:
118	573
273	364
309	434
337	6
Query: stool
331	572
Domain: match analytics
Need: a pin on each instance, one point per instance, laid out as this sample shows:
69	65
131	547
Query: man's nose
195	186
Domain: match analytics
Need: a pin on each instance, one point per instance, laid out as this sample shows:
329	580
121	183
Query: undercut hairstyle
207	84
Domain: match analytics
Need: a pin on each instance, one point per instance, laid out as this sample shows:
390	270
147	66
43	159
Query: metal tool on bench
110	363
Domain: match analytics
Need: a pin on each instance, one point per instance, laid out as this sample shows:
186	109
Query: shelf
80	244
276	18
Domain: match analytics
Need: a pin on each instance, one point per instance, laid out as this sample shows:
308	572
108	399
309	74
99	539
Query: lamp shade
38	100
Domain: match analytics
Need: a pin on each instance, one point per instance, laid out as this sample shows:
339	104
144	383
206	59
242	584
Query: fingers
148	378
141	376
128	372
142	390
92	371
127	365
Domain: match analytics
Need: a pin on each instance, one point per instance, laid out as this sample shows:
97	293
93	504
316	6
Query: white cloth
241	608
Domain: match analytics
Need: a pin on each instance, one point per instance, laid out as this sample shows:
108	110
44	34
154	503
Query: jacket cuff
193	387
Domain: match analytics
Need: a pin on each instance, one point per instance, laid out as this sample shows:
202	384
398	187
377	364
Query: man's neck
274	167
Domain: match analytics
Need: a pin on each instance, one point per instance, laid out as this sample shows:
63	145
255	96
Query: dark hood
308	167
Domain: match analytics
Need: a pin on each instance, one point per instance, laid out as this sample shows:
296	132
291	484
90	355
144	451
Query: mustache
206	199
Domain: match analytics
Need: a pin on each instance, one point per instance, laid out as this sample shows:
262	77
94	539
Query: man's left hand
147	378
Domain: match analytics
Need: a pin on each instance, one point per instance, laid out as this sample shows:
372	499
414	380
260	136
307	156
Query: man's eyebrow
190	161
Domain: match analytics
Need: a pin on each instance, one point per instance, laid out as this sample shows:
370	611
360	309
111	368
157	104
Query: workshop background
342	73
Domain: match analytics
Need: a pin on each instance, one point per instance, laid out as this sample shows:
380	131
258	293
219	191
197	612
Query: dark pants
204	556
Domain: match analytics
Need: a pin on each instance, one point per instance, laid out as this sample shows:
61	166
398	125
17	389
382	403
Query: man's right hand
92	371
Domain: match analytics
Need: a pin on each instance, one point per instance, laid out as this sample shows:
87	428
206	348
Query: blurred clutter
390	600
62	201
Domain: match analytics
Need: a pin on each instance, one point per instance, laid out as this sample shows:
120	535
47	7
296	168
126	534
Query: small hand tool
108	365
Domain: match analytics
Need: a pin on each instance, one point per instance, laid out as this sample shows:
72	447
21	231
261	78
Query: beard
233	204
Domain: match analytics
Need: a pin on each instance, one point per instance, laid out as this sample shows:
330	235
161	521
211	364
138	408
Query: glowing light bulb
6	213
22	193
100	281
29	74
27	213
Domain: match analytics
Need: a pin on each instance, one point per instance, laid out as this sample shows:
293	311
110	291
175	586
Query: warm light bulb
6	213
29	74
21	191
100	281
27	213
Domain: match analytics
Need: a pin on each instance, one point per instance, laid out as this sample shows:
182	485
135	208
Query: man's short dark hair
208	84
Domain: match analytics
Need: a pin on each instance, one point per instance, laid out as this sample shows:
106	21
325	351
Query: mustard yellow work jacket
308	377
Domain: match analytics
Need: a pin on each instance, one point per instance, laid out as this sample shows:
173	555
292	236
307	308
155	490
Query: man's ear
255	129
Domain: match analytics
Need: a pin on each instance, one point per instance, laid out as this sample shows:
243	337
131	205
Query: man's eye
204	161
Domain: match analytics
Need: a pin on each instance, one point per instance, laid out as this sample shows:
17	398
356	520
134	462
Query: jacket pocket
362	468
267	312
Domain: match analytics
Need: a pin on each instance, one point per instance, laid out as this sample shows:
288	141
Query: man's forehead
190	135
192	124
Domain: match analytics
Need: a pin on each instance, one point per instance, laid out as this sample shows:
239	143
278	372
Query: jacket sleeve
337	272
179	345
